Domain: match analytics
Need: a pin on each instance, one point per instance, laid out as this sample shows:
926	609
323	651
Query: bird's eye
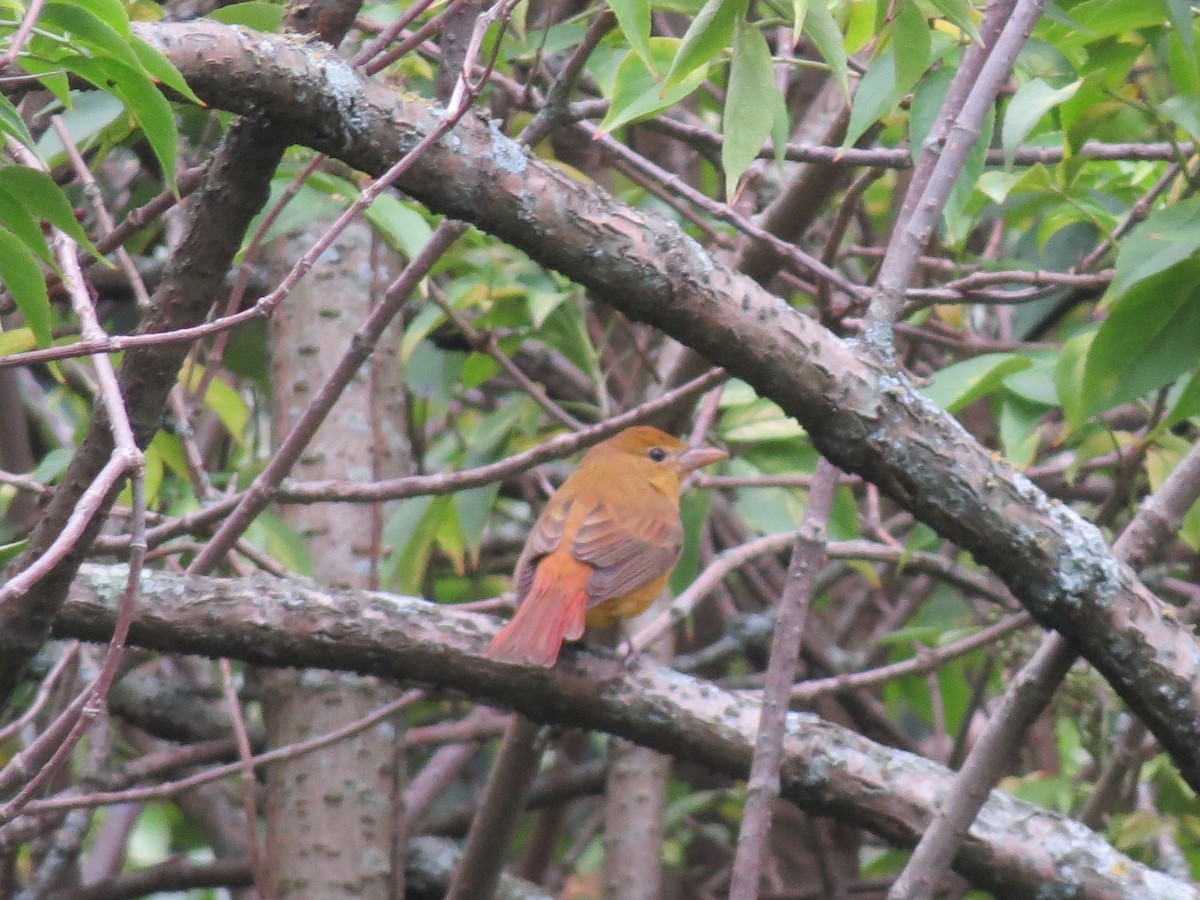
658	454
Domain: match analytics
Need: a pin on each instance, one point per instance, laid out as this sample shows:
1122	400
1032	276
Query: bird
603	547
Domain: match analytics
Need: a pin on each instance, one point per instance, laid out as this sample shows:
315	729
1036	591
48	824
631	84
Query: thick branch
1013	847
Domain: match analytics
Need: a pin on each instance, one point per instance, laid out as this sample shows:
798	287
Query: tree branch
1013	847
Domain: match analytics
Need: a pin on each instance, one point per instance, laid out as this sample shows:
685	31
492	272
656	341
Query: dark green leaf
1150	338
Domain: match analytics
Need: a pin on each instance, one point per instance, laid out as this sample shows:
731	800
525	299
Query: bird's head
664	459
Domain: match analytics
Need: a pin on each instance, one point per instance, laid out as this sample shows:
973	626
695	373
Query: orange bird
603	546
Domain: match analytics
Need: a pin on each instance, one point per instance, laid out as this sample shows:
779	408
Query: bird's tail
551	612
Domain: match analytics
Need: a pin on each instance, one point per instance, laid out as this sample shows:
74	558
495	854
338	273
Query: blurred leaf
153	479
18	340
11	123
1026	109
759	420
962	383
958	12
693	512
634	18
261	16
799	14
874	98
752	105
225	402
709	33
17	219
477	369
9	552
910	36
22	275
143	100
402	228
281	542
90	114
473	508
638	93
86	24
1169	235
163	70
1187	404
1149	338
42	198
823	31
1069	378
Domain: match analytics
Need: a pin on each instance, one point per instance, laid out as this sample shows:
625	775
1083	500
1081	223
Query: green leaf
473	509
752	105
910	36
9	552
634	18
874	97
1069	378
15	217
85	120
281	541
225	402
143	100
823	31
402	228
1180	13
638	94
1187	404
799	13
1020	429
17	340
477	369
1168	236
44	199
111	12
958	13
962	383
709	34
12	123
23	277
1026	109
265	17
1150	337
83	26
163	70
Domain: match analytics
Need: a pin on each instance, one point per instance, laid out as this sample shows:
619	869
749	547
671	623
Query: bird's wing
543	539
626	551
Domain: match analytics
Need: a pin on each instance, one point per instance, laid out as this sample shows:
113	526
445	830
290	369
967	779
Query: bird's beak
698	457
